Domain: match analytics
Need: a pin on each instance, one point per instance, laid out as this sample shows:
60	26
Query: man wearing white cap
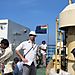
29	47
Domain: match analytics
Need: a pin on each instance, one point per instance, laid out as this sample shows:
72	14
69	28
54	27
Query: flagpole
48	34
47	41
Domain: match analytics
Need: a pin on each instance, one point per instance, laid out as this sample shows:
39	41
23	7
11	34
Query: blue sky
31	13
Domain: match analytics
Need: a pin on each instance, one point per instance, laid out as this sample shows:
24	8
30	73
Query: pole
47	41
60	48
48	33
56	44
70	2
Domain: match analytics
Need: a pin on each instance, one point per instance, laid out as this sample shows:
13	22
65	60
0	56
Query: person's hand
24	60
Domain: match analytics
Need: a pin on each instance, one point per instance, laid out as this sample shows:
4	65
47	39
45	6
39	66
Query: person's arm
42	49
20	47
21	56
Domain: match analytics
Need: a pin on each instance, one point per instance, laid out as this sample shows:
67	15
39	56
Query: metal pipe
70	2
56	44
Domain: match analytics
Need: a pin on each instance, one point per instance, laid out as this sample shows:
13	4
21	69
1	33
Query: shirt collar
29	41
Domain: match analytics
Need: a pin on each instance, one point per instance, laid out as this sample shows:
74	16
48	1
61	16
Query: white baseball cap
32	33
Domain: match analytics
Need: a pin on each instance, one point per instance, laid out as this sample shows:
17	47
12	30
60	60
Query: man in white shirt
43	48
29	48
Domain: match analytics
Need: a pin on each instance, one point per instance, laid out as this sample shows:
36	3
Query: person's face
32	37
3	46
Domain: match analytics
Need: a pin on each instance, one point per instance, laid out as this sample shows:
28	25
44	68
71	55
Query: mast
70	2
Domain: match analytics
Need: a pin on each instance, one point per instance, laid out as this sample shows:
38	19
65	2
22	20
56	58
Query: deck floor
41	71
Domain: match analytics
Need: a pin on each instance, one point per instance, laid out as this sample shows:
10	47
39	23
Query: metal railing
50	52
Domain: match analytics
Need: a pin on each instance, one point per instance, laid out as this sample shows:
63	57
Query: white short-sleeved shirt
26	46
43	46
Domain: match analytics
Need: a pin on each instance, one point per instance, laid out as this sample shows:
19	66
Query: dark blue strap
29	50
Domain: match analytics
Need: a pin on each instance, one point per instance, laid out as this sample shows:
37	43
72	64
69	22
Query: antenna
70	2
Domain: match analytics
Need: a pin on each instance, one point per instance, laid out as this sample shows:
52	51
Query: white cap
32	33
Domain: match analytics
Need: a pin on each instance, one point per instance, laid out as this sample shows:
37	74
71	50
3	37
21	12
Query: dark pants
29	70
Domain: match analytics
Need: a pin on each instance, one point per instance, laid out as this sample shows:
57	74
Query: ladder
59	46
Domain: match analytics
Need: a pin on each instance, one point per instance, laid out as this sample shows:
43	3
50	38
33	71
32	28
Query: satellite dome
67	16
